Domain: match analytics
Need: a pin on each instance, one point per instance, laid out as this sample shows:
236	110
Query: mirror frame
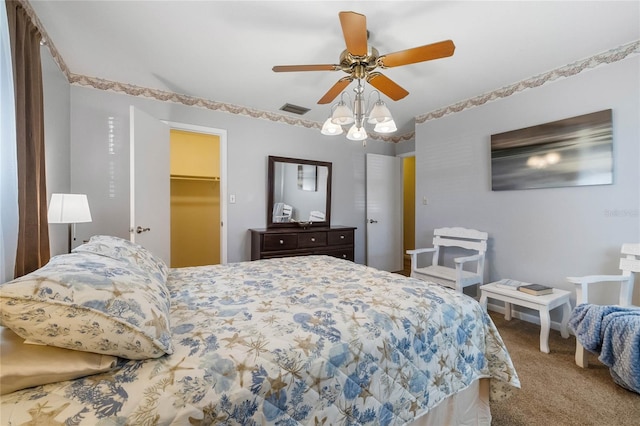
271	186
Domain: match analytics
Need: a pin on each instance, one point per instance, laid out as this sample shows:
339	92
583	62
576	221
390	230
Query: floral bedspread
308	340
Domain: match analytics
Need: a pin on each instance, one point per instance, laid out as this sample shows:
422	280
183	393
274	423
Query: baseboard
532	318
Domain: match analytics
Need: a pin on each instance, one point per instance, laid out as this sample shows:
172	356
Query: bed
310	340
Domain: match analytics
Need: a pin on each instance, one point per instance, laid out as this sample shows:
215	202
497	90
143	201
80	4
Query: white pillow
88	302
125	250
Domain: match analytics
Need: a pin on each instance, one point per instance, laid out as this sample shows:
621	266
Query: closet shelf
189	177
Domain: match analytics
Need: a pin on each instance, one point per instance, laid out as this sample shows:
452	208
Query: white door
384	212
150	224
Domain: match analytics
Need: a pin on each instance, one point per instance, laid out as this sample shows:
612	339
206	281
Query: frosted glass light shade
379	113
356	133
342	115
385	127
69	208
330	129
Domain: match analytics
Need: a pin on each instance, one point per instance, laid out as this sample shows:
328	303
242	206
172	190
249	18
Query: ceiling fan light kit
359	61
360	114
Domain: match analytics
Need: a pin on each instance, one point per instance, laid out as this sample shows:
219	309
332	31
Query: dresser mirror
299	193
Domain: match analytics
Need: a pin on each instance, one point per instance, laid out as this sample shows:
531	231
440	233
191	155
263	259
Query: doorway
195	198
409	211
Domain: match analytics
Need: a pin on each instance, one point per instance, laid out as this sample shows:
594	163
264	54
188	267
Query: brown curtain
33	231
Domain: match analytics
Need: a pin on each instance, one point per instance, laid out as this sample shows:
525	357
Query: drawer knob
281	241
344	256
313	239
342	237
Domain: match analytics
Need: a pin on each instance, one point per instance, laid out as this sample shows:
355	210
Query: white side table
543	304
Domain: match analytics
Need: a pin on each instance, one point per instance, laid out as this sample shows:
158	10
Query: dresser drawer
340	237
346	253
280	242
312	239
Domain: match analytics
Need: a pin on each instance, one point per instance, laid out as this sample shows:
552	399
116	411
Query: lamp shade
69	208
329	128
379	113
385	127
356	133
342	114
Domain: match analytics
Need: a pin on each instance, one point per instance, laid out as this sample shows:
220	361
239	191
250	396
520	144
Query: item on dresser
336	241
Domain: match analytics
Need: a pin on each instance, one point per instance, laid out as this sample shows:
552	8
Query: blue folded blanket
614	333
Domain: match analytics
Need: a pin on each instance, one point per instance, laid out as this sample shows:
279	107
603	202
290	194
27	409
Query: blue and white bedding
304	340
613	332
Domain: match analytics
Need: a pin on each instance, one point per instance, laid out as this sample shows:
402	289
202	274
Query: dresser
336	241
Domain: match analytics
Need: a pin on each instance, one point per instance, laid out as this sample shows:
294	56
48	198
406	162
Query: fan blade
335	90
289	68
354	29
428	52
386	86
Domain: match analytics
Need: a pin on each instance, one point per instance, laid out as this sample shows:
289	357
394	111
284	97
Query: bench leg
507	311
545	323
483	301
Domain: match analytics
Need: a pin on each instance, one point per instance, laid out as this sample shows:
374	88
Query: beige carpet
555	391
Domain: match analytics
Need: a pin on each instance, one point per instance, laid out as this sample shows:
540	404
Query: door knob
373	221
140	229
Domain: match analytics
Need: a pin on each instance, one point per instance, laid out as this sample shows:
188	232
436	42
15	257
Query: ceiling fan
360	60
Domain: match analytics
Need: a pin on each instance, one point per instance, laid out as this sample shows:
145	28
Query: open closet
195	199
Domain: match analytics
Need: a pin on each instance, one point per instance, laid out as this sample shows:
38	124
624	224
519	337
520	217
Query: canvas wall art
574	151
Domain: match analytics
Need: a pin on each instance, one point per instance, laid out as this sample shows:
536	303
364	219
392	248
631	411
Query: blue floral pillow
121	249
89	302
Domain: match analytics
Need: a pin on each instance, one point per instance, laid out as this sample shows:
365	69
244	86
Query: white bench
543	304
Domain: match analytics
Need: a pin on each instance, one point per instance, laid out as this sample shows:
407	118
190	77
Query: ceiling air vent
294	109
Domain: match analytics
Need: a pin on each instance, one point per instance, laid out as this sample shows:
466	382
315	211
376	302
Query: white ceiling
223	51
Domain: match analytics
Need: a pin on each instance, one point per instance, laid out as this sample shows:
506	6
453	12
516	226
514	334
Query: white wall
57	145
100	163
538	235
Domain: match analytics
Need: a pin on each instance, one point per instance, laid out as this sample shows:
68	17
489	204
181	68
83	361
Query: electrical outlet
232	198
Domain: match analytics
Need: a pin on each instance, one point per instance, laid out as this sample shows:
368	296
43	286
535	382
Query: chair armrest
414	256
466	259
421	250
590	279
583	283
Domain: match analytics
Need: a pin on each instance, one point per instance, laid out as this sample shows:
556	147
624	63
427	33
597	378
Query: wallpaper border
611	56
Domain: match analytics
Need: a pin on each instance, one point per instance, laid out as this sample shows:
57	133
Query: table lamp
71	209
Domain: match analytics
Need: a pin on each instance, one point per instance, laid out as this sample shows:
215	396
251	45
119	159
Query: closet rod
187	177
